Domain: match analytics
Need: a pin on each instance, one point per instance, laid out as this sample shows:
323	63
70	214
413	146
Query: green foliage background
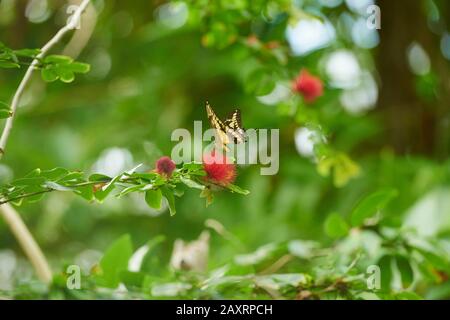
147	78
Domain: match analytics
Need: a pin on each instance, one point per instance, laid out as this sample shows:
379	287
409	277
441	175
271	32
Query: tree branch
72	24
27	242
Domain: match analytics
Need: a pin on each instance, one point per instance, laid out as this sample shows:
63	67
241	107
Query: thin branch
72	24
27	242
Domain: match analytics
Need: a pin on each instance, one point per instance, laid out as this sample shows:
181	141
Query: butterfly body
228	131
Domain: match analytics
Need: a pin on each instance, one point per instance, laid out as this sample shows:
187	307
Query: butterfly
228	131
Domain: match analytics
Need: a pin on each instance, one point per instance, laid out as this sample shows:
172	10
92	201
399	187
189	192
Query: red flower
309	86
219	168
165	166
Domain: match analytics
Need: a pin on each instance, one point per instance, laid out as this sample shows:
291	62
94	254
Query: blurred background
153	66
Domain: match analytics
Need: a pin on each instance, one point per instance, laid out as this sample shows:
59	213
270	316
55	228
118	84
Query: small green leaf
260	82
236	189
99	177
56	58
31	53
85	192
168	194
371	204
79	67
132	280
437	261
208	195
114	261
48	74
335	226
64	74
191	183
54	174
4	113
385	264
406	271
56	186
105	190
8	64
32	181
407	295
130	189
154	198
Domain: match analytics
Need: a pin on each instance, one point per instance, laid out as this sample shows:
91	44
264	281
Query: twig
278	264
27	242
72	24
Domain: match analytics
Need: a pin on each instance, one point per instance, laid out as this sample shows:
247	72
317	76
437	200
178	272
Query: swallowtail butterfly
228	131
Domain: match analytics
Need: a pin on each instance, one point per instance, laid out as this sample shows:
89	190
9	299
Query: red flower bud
165	166
219	169
309	86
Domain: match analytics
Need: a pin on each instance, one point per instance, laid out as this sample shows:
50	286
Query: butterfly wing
233	127
218	125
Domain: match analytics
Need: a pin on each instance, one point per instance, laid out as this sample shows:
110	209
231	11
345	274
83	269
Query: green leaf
406	271
371	204
31	53
236	189
8	64
5	113
48	74
64	74
437	261
56	58
55	174
385	264
130	189
335	226
208	195
105	190
154	198
407	295
79	67
132	280
114	261
32	181
56	186
85	192
168	194
99	177
191	183
260	82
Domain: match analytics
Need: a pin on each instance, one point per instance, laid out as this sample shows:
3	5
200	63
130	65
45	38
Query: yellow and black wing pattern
228	131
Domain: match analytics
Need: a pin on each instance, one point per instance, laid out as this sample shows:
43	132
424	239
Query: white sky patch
278	94
113	161
37	11
364	37
309	35
361	98
330	3
305	139
173	15
343	70
445	46
359	6
418	59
